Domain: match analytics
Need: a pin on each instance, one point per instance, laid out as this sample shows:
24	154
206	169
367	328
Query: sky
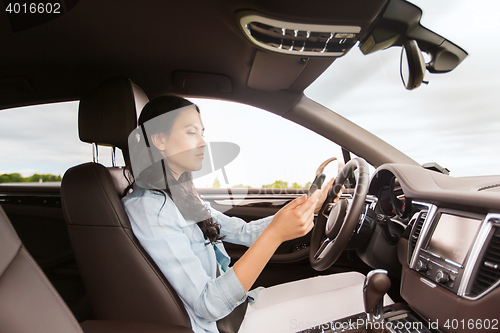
454	120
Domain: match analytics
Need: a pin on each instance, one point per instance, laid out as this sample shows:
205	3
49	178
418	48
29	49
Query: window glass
43	140
454	120
273	150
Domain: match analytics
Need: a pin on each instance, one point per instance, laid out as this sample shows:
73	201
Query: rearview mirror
412	65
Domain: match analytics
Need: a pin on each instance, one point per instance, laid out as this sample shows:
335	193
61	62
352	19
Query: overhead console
299	38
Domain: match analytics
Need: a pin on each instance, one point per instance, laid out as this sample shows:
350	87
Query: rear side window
41	142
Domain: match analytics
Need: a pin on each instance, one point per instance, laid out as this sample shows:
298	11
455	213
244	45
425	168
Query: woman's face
184	147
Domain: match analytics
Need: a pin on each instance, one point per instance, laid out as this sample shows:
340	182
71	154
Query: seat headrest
110	113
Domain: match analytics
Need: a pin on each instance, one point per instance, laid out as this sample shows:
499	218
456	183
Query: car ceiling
150	41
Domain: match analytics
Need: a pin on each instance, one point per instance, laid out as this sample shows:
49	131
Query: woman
182	233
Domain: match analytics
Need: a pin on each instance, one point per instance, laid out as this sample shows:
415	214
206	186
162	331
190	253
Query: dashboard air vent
417	228
489	266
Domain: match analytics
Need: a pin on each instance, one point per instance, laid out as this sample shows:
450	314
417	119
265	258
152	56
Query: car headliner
150	41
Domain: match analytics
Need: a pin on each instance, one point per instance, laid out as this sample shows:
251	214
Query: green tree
241	186
277	184
216	183
34	178
44	177
17	178
11	178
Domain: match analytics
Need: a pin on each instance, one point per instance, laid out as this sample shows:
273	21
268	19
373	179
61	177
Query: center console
398	318
453	249
395	318
450	278
451	268
444	247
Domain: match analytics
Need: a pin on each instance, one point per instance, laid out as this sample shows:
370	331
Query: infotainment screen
453	237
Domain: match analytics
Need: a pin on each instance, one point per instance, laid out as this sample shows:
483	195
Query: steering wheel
337	221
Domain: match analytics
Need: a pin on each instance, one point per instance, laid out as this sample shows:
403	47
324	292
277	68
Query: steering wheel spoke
328	208
327	243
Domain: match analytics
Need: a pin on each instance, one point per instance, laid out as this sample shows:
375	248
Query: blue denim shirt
189	264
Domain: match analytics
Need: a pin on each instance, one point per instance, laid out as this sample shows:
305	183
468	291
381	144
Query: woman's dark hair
160	179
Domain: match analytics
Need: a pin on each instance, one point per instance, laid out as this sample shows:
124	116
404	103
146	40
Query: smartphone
316	184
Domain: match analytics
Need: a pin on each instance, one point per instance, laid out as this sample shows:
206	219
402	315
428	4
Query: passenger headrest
110	113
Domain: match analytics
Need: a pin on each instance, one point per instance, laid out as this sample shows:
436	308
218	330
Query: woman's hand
324	193
295	219
292	221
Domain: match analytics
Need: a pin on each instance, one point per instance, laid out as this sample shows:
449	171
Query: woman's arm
292	221
237	231
178	248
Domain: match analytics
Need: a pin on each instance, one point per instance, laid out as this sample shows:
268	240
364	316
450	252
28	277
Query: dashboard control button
442	277
421	266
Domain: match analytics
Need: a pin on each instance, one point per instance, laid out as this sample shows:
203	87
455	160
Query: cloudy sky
454	120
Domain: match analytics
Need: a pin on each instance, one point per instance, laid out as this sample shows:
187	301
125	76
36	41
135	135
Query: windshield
454	120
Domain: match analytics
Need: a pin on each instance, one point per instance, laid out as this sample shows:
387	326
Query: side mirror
412	67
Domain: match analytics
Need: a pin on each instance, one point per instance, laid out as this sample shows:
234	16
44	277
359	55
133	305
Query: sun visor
273	72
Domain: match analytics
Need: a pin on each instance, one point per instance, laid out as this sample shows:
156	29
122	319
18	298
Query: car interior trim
370	201
95	152
490	222
471	263
427	282
425	227
240	196
234	201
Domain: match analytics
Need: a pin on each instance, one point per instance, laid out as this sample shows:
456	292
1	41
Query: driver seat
122	281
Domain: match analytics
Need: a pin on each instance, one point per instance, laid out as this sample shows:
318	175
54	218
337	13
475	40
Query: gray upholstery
28	301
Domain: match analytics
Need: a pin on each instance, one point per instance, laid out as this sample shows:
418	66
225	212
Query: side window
39	143
273	151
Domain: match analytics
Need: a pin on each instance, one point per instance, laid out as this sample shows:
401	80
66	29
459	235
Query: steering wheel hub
336	219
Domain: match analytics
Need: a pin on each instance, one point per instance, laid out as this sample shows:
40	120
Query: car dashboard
449	245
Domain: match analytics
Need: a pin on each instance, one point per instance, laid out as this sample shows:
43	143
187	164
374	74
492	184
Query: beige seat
122	281
29	303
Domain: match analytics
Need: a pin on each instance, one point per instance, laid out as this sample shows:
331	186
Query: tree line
35	178
276	184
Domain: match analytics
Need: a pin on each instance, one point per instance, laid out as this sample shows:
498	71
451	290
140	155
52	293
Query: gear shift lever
377	283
